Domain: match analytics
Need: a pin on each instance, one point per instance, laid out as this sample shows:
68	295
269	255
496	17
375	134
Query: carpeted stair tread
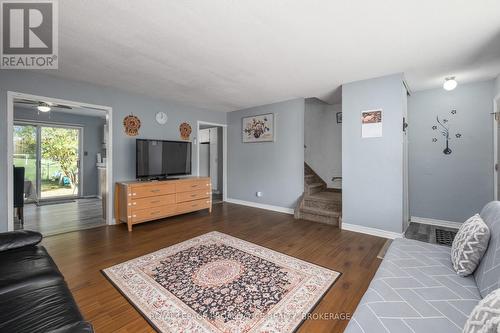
325	196
317	211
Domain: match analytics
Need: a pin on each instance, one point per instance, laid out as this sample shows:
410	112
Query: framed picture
339	117
371	124
259	128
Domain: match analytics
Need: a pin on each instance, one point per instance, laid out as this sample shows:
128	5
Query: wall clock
161	118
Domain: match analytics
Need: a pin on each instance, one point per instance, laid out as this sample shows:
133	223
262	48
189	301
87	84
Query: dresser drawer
144	191
139	215
190	206
193	185
193	195
162	200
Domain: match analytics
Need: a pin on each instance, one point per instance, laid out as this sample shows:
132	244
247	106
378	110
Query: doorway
496	147
211	149
59	164
50	156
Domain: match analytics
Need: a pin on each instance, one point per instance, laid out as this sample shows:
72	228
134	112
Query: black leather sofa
33	294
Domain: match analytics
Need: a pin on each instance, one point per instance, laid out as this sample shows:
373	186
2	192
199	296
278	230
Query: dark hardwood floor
58	218
81	255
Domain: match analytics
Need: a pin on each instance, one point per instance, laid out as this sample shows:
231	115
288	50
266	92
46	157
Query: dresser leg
129	226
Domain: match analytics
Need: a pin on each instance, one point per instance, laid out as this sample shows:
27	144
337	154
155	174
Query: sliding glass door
26	156
59	161
51	157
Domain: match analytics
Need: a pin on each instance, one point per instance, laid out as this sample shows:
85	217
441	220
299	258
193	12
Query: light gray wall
274	168
123	103
323	140
204	160
456	186
497	86
92	139
372	190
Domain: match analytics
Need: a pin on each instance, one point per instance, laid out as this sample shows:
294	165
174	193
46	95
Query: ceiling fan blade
98	109
61	106
26	101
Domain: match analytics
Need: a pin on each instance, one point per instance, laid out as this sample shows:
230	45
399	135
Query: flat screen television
160	158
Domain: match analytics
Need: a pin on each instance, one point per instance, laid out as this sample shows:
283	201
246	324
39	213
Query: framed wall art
259	128
371	124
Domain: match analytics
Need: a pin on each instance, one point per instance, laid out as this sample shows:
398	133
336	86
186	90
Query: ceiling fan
43	106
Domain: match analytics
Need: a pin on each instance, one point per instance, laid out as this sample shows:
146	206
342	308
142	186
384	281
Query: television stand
143	201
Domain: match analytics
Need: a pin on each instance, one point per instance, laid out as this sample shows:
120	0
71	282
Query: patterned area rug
219	283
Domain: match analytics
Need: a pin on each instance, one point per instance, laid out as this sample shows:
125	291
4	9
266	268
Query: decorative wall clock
185	130
443	126
161	118
131	125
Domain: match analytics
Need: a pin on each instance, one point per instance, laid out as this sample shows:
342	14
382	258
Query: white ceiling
230	54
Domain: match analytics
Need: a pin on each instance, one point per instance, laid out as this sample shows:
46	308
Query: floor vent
445	237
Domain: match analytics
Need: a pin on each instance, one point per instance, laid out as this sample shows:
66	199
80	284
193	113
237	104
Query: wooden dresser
142	201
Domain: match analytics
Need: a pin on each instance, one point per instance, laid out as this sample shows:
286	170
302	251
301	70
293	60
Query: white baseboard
371	231
261	206
439	223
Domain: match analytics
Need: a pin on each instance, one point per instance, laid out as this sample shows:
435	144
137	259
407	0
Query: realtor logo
29	34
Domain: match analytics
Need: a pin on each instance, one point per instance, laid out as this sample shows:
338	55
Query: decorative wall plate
185	130
131	125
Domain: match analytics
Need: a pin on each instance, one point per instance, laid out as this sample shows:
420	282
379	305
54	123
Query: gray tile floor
424	232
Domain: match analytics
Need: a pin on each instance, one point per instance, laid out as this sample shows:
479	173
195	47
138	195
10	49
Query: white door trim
224	153
496	112
11	95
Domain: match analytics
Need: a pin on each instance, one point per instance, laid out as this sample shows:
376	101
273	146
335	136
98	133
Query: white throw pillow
485	318
469	245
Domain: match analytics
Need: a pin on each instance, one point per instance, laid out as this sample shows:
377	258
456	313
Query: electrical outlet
259	194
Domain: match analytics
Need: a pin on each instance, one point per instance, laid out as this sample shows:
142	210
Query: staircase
319	203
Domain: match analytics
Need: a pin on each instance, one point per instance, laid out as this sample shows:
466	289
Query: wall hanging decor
339	117
443	126
371	124
131	125
258	128
185	130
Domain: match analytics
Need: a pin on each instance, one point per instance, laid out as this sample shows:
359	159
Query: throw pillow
469	245
485	318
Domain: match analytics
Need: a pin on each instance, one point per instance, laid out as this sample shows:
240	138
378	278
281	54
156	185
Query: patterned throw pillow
485	318
469	245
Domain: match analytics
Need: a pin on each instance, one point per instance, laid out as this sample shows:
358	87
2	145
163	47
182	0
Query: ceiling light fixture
43	107
450	83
